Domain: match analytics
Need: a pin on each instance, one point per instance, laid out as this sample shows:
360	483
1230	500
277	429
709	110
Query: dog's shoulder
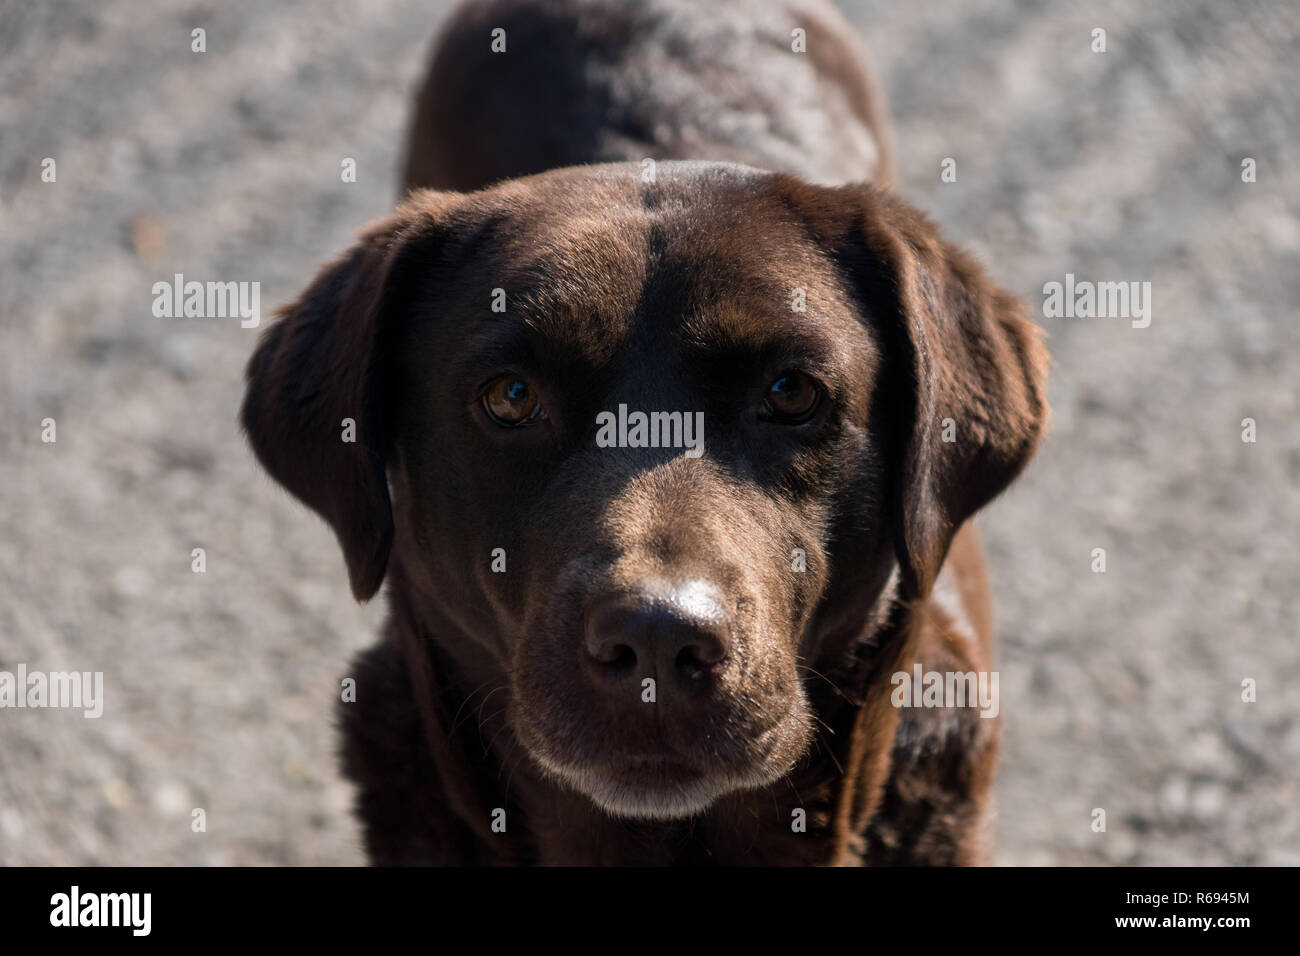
933	811
407	815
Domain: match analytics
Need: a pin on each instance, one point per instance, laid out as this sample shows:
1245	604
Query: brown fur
665	295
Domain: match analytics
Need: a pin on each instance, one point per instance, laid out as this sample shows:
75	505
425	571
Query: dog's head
652	449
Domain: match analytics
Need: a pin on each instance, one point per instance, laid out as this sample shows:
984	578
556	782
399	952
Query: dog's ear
319	392
970	370
961	401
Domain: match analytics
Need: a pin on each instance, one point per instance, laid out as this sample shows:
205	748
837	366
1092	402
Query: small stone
1207	801
131	581
117	794
172	799
148	239
1173	796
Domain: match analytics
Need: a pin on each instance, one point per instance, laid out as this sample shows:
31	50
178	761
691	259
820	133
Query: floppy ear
328	358
962	349
955	347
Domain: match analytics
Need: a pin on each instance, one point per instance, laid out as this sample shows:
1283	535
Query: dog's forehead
707	253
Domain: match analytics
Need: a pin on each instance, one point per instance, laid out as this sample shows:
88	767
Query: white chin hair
671	802
661	803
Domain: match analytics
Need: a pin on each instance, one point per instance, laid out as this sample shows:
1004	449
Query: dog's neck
510	812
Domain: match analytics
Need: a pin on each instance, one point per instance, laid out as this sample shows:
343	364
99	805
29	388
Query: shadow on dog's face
646	452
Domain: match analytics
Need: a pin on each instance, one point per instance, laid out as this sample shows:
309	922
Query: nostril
692	664
618	658
706	644
606	649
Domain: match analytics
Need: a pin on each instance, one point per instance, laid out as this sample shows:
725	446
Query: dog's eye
792	398
511	401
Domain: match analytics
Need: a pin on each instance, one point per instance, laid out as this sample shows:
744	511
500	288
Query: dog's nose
677	635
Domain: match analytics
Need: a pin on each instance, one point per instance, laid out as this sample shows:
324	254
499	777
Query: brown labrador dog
668	464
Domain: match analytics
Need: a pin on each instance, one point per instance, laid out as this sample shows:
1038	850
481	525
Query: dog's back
519	87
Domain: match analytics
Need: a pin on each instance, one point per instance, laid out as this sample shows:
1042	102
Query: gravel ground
1120	691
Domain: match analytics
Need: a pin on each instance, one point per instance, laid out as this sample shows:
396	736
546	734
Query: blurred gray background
1120	690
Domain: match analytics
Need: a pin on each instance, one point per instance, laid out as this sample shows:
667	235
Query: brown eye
511	401
792	398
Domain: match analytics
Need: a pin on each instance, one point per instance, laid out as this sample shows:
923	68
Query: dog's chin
669	788
654	789
669	784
